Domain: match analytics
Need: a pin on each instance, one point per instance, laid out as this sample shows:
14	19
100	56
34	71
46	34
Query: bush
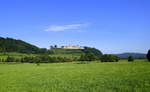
76	59
10	59
148	56
87	57
116	58
65	59
48	59
37	60
109	58
130	59
43	58
27	59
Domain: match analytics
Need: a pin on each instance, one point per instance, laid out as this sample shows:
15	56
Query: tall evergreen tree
148	55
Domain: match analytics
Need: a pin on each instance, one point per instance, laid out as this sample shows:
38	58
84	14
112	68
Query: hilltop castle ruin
72	47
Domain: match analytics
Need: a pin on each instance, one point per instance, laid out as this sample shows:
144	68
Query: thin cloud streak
57	28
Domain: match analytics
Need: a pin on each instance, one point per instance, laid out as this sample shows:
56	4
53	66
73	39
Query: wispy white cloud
66	27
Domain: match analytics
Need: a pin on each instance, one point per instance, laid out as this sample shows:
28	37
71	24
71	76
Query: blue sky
113	26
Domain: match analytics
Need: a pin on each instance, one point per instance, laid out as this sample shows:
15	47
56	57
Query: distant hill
19	46
67	51
135	55
13	45
77	51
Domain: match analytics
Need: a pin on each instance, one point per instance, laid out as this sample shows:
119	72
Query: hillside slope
86	50
13	45
19	46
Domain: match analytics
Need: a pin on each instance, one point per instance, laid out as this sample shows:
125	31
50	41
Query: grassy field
74	77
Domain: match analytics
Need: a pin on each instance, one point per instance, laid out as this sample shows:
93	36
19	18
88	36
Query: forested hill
86	50
13	45
19	46
135	55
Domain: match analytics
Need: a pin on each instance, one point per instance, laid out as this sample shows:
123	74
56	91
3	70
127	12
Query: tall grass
72	77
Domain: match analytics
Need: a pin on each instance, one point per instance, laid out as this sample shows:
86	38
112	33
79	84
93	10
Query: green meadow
95	76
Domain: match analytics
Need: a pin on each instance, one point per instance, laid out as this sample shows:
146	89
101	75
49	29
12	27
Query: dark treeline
13	45
88	57
53	59
109	58
38	59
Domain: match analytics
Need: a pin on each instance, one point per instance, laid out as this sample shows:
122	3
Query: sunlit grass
73	77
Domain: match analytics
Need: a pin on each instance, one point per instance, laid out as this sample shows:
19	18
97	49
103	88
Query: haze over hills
135	55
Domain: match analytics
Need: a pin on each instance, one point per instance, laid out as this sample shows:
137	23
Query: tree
27	59
51	47
55	46
43	58
148	55
37	60
82	57
2	60
116	58
43	51
87	57
130	59
10	59
109	58
94	51
91	57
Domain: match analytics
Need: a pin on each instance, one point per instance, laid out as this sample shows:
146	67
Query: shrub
37	60
17	60
130	59
27	59
87	57
1	60
148	56
109	58
43	58
10	59
76	59
50	59
65	59
116	58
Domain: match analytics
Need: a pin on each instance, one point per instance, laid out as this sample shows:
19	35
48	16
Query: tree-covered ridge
13	45
86	50
89	50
